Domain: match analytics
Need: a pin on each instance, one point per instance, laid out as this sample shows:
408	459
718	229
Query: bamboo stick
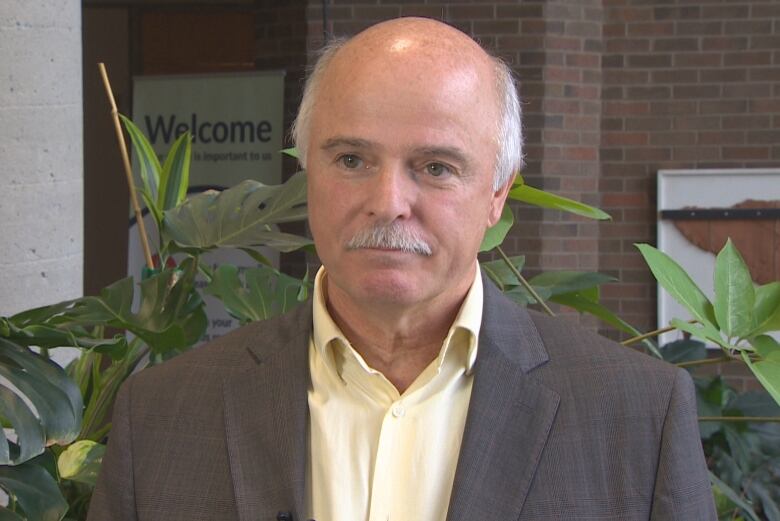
128	170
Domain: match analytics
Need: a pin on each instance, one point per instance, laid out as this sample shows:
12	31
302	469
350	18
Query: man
409	388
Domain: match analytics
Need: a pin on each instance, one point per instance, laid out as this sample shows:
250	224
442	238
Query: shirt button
398	410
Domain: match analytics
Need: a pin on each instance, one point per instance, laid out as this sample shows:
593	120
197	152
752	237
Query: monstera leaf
170	315
239	217
38	401
35	494
262	293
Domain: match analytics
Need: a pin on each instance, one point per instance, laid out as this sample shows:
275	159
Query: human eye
436	169
349	161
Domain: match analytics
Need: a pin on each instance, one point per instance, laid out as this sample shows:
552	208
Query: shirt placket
386	475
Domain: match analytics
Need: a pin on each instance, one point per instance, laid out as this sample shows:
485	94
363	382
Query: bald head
426	56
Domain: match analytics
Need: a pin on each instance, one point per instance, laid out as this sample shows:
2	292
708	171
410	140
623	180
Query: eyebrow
451	153
336	142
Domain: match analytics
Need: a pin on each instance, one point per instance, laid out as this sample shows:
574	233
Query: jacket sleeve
682	487
114	495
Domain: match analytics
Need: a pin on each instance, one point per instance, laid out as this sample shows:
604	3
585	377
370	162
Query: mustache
391	236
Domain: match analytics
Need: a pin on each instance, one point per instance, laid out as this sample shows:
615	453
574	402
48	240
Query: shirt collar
328	336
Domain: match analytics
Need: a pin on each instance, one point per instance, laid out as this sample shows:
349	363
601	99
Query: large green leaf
678	283
734	294
263	292
175	174
494	235
720	487
148	164
81	461
55	416
704	331
35	491
767	308
170	316
767	368
685	350
544	199
501	274
51	336
560	282
239	217
585	303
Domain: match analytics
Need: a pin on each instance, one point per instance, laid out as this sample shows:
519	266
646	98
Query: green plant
60	416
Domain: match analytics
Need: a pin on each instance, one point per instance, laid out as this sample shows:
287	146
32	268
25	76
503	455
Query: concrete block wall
41	207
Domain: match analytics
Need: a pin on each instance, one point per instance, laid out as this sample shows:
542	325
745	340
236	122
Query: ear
497	201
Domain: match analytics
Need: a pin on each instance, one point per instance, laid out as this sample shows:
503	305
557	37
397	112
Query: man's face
409	144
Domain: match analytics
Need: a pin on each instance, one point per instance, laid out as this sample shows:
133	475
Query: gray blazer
562	424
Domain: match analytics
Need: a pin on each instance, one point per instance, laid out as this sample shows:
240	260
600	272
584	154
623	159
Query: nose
391	194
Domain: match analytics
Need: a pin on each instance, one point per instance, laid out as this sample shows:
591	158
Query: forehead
434	96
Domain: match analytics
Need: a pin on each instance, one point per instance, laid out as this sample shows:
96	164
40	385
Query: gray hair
509	157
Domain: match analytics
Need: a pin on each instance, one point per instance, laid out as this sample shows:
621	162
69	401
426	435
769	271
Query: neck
398	341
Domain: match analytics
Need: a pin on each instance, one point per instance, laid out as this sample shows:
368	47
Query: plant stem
524	282
128	171
707	361
772	419
651	334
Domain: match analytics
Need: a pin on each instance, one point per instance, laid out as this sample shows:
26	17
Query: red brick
747	58
745	152
649	92
672	107
764	105
675	44
627	45
675	76
583	29
652	123
765	42
614	30
696	91
697	153
687	122
763	137
496	27
765	74
563	43
471	12
624	77
376	12
749	27
584	92
727	12
615	108
561	106
722	75
581	122
724	107
699	59
673	138
427	11
630	14
649	60
611	154
561	137
624	138
651	29
582	60
709	27
721	137
677	13
724	43
580	153
752	121
648	154
747	90
521	11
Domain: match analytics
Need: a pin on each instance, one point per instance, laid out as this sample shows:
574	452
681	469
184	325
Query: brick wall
614	90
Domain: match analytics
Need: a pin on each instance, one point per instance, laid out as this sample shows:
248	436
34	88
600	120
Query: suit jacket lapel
509	418
266	419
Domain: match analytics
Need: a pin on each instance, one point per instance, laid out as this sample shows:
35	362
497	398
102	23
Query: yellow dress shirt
375	454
